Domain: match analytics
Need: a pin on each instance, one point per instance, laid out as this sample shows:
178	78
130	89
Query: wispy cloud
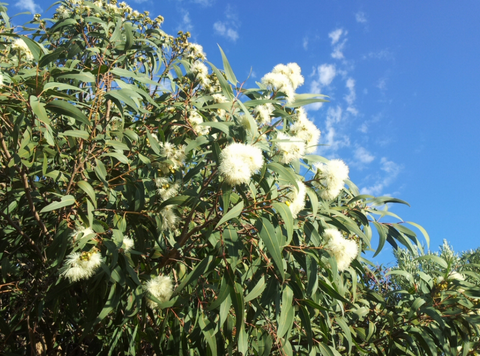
228	27
335	35
305	43
391	171
351	96
333	139
383	54
222	29
360	17
186	24
28	5
205	3
324	75
363	156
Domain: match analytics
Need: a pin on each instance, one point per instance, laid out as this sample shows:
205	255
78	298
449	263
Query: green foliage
149	206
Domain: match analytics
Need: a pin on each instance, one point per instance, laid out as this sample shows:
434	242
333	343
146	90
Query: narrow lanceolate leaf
285	320
287	217
257	290
67	200
232	213
65	108
87	188
436	259
284	173
39	109
75	133
226	67
226	88
424	232
128	35
269	238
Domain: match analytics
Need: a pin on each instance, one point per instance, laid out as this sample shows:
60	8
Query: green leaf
382	234
287	217
39	109
120	156
101	171
267	234
87	188
346	330
226	88
226	67
285	173
424	232
436	259
231	214
65	108
66	200
285	320
193	276
313	200
128	35
76	133
401	273
85	77
257	290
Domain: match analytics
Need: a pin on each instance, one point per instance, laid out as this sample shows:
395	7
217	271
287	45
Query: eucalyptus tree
151	203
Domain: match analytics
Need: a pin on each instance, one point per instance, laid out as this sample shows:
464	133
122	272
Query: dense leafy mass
151	204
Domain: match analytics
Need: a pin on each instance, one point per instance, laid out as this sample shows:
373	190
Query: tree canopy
151	203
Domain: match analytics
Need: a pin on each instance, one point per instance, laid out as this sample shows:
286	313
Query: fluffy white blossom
169	217
296	198
196	51
201	71
280	82
63	12
306	130
292	71
264	113
173	153
21	47
127	244
291	148
1	79
161	287
331	178
456	276
219	99
166	189
195	120
344	251
238	162
81	265
82	230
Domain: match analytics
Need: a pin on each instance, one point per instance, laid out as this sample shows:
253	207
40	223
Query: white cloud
335	35
391	170
351	96
331	138
382	84
363	155
305	43
186	24
338	50
383	54
326	73
204	2
228	27
222	29
360	17
28	5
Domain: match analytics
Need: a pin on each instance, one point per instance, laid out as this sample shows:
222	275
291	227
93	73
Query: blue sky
403	78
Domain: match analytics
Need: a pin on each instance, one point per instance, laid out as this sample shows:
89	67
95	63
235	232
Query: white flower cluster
195	51
296	198
264	113
82	230
195	120
238	162
201	72
219	99
331	178
1	79
343	250
21	47
306	130
290	147
284	78
166	189
161	287
81	265
127	244
174	154
169	218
